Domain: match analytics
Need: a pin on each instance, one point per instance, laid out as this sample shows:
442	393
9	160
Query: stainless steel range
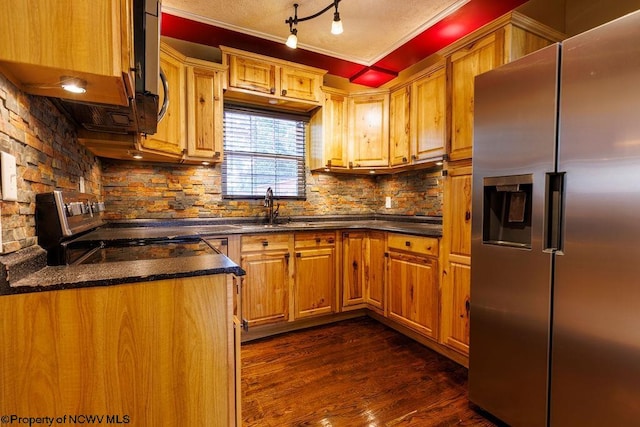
70	228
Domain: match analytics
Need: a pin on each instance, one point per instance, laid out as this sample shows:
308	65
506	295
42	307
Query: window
262	150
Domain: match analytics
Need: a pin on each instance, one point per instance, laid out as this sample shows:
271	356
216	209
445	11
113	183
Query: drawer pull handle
265	243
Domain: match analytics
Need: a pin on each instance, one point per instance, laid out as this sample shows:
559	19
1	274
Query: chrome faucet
268	203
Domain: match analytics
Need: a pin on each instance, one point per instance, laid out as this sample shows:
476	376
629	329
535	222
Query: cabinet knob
467	215
355	265
413	157
404	160
317	240
467	306
298	255
284	92
265	243
407	243
272	90
330	241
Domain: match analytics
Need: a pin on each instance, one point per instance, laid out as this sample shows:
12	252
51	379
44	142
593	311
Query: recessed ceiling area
380	38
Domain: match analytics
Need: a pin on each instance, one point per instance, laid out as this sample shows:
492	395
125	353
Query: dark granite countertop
114	273
45	278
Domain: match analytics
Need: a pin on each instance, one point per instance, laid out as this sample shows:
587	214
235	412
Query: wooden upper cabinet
328	132
300	84
204	109
270	82
46	40
369	130
503	40
428	115
474	59
399	128
171	134
252	74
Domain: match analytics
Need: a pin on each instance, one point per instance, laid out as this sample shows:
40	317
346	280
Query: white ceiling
372	28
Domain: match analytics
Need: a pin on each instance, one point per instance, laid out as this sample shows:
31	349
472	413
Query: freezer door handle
554	215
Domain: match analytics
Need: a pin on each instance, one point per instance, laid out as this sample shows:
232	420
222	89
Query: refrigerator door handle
554	214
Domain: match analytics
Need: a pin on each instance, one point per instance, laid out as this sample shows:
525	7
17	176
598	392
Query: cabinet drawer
415	244
265	242
312	239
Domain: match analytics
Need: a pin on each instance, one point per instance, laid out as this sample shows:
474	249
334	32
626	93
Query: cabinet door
314	282
45	40
335	130
265	288
204	93
399	129
353	269
369	130
376	269
457	259
252	74
467	63
428	116
300	84
170	137
413	292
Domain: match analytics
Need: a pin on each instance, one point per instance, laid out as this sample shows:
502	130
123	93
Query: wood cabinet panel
159	352
204	92
428	115
300	84
328	132
369	130
458	228
315	281
171	134
353	268
252	74
413	292
475	59
376	272
265	287
415	244
399	129
455	317
264	242
44	40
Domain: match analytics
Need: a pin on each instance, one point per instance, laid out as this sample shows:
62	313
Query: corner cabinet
191	130
43	41
270	82
363	270
369	129
413	283
417	118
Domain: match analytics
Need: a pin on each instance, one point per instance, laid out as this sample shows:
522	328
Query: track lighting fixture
336	24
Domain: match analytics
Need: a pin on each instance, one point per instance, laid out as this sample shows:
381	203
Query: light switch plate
387	202
9	177
82	188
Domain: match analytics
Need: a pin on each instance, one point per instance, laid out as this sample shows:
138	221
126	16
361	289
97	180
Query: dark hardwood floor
352	373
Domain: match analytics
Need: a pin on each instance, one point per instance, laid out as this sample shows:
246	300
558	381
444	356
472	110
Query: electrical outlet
387	202
9	177
82	188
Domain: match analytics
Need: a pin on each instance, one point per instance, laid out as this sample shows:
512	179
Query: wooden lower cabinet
363	270
315	274
160	353
265	287
413	292
376	271
456	272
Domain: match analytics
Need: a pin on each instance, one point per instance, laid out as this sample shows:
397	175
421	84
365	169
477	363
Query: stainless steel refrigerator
555	272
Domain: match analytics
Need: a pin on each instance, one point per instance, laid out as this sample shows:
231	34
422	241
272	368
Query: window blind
262	150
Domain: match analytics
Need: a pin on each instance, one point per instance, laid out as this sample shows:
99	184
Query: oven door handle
88	254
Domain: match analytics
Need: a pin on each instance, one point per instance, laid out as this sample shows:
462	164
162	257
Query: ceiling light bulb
336	25
292	41
73	85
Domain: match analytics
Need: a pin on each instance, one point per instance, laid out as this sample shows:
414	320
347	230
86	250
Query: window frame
301	173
